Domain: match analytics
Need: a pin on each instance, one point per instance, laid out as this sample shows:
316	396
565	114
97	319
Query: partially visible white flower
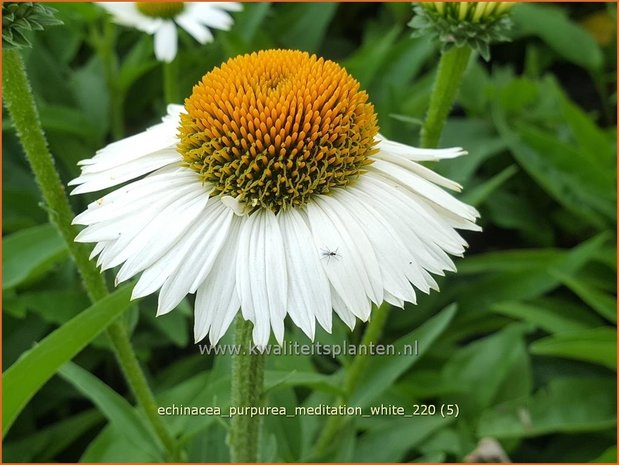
161	19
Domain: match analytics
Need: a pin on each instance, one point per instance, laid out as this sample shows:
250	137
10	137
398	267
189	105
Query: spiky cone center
272	129
164	10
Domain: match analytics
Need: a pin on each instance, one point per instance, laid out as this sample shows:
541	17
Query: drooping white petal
342	310
199	249
92	182
156	237
229	6
386	242
265	276
210	15
420	170
159	138
198	31
217	301
418	154
166	42
345	269
425	188
309	297
363	254
126	14
135	197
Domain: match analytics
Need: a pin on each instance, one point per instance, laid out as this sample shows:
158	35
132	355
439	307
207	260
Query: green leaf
116	409
597	345
553	320
30	253
609	456
604	304
112	445
366	62
479	369
302	26
480	140
479	194
552	25
567	405
383	371
43	445
389	441
275	379
34	368
564	172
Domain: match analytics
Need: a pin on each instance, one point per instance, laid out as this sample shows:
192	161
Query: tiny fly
330	254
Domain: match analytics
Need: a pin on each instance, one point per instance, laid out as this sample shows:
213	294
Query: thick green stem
246	391
20	104
170	83
446	84
354	372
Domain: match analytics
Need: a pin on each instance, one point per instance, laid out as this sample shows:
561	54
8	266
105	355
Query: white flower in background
162	18
272	191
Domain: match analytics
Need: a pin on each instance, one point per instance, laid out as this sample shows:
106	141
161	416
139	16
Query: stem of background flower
170	82
20	104
372	333
446	84
247	386
106	47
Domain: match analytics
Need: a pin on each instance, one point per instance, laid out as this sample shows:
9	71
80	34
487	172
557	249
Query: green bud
475	24
20	17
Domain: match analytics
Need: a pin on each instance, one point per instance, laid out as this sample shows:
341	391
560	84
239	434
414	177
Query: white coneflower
272	191
161	19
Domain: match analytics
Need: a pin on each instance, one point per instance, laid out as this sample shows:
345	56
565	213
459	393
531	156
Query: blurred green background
528	348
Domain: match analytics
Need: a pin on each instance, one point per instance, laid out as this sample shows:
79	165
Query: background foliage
528	351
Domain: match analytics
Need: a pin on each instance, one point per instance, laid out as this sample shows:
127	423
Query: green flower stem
449	76
246	391
170	82
20	104
354	372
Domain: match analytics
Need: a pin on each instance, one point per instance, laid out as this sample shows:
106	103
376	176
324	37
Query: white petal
198	31
134	197
345	269
161	138
308	287
217	301
209	15
418	154
386	242
158	236
363	254
126	14
166	42
425	188
420	170
199	248
125	172
342	310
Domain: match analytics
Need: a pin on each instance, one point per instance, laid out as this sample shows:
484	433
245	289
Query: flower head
272	191
161	19
475	24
